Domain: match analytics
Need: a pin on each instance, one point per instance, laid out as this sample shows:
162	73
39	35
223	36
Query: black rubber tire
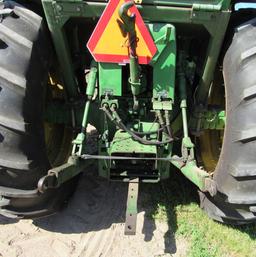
235	173
24	62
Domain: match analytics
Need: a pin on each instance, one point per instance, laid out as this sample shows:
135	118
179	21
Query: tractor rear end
148	76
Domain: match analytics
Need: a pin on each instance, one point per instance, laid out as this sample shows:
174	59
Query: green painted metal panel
164	61
123	143
110	79
202	4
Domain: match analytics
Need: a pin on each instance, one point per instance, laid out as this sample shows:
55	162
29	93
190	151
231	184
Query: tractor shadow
97	204
159	202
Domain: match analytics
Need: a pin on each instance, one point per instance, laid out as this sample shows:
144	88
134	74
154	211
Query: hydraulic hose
148	133
168	123
118	122
161	121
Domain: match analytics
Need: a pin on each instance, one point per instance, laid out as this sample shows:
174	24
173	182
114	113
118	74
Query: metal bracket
187	149
131	210
198	176
203	119
61	174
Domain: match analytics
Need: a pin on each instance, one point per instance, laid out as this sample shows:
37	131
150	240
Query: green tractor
169	85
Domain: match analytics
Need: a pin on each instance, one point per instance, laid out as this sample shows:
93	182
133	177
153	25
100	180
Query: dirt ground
91	225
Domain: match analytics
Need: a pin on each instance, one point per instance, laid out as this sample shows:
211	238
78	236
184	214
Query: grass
176	202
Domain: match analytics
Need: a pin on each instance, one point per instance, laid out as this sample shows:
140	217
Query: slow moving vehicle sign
108	44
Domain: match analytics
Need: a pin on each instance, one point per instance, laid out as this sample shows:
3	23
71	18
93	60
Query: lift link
80	139
74	166
187	164
127	27
187	148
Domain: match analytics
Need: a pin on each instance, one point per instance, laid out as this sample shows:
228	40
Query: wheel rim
210	142
58	137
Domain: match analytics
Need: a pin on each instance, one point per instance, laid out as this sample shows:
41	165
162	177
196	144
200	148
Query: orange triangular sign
108	44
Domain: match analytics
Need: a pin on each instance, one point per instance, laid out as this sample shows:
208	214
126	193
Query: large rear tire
235	173
24	153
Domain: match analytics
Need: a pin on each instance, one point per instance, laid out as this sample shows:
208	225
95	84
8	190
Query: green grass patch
176	202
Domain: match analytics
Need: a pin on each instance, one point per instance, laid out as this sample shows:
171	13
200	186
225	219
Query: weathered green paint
55	24
187	147
164	62
128	28
110	79
209	119
80	139
213	15
135	79
214	120
193	173
217	30
123	143
163	19
92	79
61	174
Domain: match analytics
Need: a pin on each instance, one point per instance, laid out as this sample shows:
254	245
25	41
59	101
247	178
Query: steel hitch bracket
61	174
131	209
54	178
